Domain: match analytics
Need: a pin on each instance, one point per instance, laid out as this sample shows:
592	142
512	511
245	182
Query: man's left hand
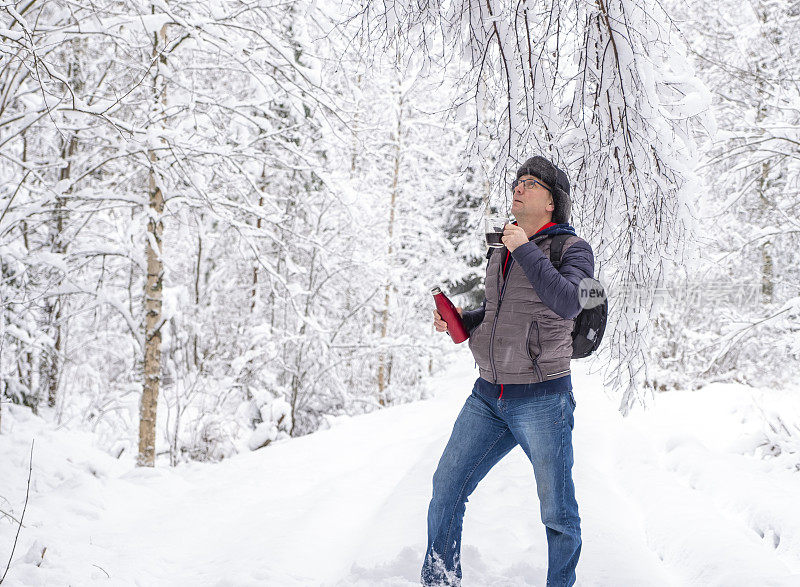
513	236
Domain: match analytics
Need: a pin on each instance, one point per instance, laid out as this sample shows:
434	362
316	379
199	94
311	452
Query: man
521	340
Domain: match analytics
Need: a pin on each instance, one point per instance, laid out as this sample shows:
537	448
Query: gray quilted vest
525	342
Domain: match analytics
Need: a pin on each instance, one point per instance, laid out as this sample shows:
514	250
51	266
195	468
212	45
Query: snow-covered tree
604	89
744	326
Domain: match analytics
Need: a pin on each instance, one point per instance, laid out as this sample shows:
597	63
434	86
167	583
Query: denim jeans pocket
572	399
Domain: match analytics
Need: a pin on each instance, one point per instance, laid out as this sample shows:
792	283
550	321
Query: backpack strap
556	247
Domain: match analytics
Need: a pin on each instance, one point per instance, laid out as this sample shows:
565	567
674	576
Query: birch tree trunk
155	274
197	269
767	277
762	184
52	360
383	367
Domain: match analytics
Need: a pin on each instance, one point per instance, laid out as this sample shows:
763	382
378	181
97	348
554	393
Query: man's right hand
438	323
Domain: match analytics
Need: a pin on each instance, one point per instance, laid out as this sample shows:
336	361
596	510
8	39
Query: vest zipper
536	367
496	316
497	312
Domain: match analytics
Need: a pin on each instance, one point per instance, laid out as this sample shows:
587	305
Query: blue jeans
485	431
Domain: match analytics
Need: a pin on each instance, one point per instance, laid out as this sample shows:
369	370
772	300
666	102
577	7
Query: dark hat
547	171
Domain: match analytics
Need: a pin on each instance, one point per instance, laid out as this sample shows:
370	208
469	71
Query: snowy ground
677	495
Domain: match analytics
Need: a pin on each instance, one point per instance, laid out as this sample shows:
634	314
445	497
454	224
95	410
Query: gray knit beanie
547	171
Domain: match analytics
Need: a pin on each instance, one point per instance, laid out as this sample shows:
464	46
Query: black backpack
590	324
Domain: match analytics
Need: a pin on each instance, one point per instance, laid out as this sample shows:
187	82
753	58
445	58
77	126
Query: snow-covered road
671	496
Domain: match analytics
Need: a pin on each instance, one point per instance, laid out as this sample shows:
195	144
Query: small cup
494	230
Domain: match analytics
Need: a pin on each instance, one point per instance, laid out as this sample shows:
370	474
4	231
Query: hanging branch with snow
604	89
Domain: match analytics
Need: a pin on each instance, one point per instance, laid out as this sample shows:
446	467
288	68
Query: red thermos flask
448	312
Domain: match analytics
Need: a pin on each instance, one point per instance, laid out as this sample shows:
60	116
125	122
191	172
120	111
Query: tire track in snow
504	540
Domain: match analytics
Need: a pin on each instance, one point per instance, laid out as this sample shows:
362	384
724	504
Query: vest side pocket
534	347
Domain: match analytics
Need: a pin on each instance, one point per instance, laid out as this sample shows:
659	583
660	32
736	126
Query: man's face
532	202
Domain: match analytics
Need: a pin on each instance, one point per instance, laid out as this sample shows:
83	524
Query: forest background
220	222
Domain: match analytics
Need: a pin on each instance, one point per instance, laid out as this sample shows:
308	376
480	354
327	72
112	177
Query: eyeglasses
528	183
